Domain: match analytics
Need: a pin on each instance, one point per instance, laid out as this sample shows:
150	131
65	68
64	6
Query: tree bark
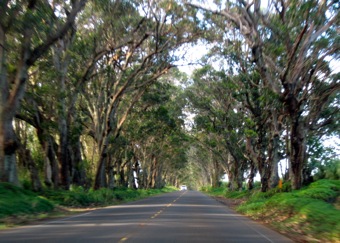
153	172
63	155
251	176
297	153
264	166
52	173
100	180
8	164
78	173
3	98
110	173
274	159
216	175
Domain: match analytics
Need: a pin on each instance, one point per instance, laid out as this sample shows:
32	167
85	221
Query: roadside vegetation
20	206
311	214
105	95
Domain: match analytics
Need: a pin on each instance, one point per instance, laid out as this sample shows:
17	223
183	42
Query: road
187	216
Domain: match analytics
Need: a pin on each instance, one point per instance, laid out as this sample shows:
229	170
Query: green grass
311	212
78	197
214	191
18	205
17	201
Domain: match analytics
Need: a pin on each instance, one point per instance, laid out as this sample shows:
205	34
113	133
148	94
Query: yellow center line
152	217
123	239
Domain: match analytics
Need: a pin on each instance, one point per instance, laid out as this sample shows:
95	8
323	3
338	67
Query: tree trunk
153	172
265	172
129	174
297	136
100	180
251	176
216	175
230	173
78	170
11	169
8	166
35	180
3	97
12	91
8	139
122	177
235	178
159	178
297	154
51	163
274	176
63	156
110	173
263	165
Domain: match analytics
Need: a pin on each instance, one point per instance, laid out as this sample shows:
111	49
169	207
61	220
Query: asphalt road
187	216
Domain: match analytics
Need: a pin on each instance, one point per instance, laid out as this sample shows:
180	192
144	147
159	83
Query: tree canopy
92	95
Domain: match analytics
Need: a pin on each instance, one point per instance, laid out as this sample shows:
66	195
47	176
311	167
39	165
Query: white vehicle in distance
183	188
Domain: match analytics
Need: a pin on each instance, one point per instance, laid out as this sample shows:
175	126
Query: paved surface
187	216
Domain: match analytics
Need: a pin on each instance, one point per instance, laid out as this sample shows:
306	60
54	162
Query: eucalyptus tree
50	105
141	48
263	138
197	173
292	44
27	154
219	114
256	105
156	130
37	110
27	31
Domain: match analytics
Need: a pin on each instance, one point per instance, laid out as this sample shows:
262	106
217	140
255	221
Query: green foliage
78	197
237	194
325	194
18	201
286	187
15	201
329	170
309	209
214	191
223	191
250	133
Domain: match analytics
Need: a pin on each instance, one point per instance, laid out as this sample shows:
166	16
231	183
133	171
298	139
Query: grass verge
311	214
19	206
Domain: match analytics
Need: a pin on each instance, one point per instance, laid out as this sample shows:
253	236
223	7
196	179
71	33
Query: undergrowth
17	201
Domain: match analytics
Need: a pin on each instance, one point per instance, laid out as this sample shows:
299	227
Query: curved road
187	216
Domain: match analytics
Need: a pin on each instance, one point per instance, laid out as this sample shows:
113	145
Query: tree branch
40	50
